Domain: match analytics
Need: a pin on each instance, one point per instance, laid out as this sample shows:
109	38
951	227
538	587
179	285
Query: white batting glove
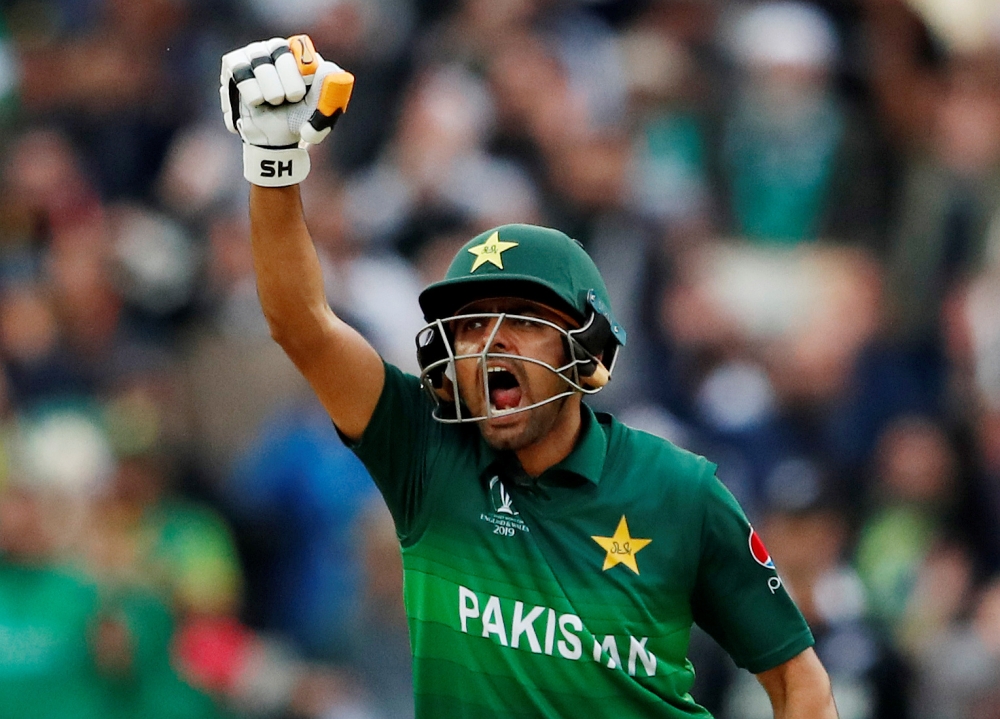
279	96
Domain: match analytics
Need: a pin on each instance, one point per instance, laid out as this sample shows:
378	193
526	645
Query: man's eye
472	325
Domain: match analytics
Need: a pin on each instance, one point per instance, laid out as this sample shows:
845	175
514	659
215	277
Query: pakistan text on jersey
495	616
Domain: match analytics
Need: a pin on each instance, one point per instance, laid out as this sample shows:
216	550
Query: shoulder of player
401	378
458	436
402	384
658	458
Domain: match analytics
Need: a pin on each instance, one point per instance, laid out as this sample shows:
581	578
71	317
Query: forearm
800	689
813	701
289	277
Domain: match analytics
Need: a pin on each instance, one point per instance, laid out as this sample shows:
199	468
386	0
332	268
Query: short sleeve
739	598
393	446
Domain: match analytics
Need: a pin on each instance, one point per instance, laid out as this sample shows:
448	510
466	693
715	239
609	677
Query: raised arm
343	369
276	94
799	688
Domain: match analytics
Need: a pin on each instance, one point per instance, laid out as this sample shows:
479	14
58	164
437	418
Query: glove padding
279	95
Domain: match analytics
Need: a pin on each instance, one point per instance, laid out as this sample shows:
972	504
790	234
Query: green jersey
46	665
48	669
570	594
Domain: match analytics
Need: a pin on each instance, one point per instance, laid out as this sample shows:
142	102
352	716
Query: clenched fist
280	95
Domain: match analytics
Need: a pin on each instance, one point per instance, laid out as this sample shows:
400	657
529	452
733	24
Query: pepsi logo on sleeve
759	551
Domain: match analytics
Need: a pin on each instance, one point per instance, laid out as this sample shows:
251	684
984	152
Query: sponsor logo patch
759	551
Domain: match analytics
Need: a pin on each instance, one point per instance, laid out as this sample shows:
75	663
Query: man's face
512	383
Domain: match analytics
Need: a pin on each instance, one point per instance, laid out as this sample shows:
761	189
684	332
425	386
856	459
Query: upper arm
738	597
398	445
344	371
799	687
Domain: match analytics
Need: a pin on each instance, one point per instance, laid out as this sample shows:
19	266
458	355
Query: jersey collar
587	458
585	461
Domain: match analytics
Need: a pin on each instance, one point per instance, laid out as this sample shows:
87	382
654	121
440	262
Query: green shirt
573	594
46	665
48	668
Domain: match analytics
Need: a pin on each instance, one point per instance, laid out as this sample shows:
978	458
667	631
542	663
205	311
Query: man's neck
555	446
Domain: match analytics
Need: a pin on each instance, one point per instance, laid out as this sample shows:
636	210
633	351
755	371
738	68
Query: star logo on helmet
490	251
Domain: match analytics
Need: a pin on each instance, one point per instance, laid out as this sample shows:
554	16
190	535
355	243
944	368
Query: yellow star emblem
621	547
490	251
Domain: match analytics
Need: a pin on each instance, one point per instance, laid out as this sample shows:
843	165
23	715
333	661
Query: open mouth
504	390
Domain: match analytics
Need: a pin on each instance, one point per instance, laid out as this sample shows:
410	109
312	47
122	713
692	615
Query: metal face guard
437	358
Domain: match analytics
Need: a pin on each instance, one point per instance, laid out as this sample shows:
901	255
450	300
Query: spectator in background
83	270
102	70
960	672
70	645
180	549
796	166
436	159
47	616
912	553
671	99
297	494
57	314
168	565
766	345
949	204
31	341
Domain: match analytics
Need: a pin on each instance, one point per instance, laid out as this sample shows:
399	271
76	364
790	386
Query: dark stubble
540	422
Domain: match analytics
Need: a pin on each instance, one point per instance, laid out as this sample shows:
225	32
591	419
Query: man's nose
501	340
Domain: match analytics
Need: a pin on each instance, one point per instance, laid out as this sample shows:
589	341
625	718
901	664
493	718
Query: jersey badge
490	251
505	519
759	551
501	498
621	547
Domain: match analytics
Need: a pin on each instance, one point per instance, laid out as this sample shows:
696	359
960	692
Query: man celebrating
554	558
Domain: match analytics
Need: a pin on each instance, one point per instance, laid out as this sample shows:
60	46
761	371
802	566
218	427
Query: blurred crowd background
796	206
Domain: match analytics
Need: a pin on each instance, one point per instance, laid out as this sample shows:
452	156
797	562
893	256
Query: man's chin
505	432
511	443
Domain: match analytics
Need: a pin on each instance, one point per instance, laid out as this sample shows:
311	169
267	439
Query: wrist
275	167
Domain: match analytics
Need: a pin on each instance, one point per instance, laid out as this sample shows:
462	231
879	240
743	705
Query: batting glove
279	96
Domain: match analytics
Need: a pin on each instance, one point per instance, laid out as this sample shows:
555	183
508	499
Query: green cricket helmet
526	262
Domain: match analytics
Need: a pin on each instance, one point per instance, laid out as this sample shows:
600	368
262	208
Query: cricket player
554	559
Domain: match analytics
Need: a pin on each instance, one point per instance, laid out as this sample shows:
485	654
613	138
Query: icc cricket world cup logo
505	519
501	498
